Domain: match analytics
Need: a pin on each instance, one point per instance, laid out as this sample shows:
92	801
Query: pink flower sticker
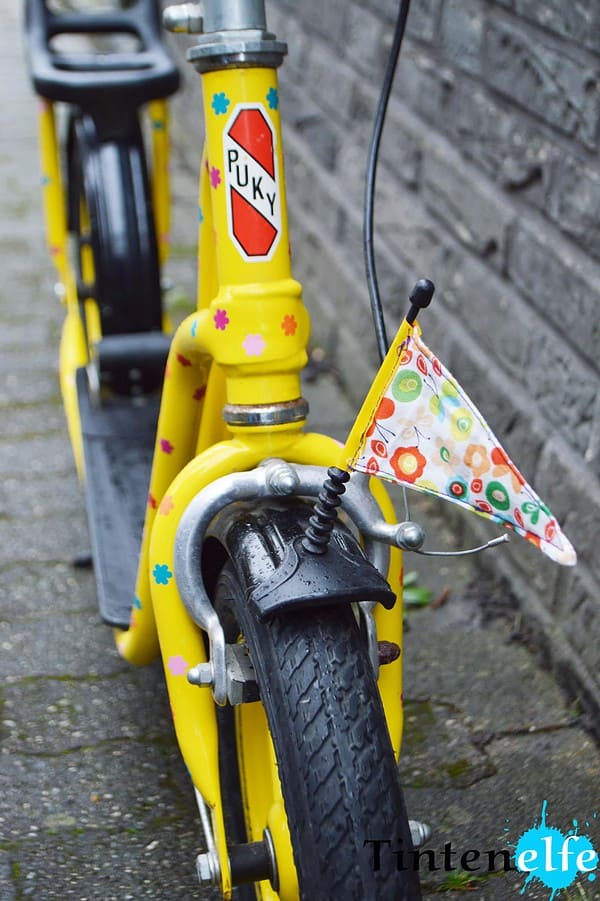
221	320
199	393
166	505
151	500
183	360
215	177
166	446
254	345
178	666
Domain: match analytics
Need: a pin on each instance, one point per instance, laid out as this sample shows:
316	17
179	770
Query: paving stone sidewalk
94	801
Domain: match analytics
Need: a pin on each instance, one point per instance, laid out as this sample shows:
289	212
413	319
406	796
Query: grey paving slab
52	538
37	590
483	673
100	865
26	497
77	645
49	716
48	456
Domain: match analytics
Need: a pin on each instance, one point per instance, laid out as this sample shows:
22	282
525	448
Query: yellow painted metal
158	112
223	92
262	799
389	625
73	344
207	265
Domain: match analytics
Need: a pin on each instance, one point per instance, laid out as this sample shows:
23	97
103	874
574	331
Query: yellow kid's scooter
279	634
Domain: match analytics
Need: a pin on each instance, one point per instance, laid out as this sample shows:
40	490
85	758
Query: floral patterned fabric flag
423	431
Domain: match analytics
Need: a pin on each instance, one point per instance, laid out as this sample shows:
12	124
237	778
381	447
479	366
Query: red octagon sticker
252	182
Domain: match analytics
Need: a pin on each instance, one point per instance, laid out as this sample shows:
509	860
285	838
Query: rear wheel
320	727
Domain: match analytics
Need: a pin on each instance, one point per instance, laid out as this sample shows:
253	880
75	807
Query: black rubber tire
338	772
110	174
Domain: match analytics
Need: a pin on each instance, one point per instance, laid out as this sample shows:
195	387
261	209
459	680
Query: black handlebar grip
420	297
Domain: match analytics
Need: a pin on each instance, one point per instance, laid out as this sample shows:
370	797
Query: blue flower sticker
137	603
162	574
158	124
194	328
220	103
273	98
200	215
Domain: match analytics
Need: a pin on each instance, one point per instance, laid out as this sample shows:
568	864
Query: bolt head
202	674
204	869
410	536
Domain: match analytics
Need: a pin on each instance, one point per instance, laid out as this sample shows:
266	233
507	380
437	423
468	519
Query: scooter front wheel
315	747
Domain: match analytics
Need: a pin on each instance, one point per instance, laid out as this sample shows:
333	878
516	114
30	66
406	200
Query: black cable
376	307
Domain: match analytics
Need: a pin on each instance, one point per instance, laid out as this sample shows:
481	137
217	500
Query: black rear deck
118	444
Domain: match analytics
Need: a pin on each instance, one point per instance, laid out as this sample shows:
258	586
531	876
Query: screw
419	833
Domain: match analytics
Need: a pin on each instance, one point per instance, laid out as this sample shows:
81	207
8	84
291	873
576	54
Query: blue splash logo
553	858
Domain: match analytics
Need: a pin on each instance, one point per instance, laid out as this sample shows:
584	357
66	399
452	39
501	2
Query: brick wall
490	185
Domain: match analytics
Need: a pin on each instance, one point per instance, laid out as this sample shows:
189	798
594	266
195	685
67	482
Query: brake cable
372	160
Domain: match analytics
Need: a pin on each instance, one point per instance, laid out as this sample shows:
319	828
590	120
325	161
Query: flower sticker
194	328
166	505
254	345
220	103
215	177
273	98
289	325
199	393
151	500
183	360
161	574
166	446
178	666
221	320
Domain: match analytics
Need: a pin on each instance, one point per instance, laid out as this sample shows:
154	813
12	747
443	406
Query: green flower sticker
407	386
498	496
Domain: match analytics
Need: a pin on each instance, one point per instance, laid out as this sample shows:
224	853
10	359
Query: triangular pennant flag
419	428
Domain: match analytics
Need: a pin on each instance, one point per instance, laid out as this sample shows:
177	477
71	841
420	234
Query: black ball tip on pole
420	297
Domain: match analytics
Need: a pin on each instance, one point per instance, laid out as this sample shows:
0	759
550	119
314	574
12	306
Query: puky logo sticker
252	182
555	858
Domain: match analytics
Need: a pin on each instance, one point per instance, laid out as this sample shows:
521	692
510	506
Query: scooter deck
118	444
